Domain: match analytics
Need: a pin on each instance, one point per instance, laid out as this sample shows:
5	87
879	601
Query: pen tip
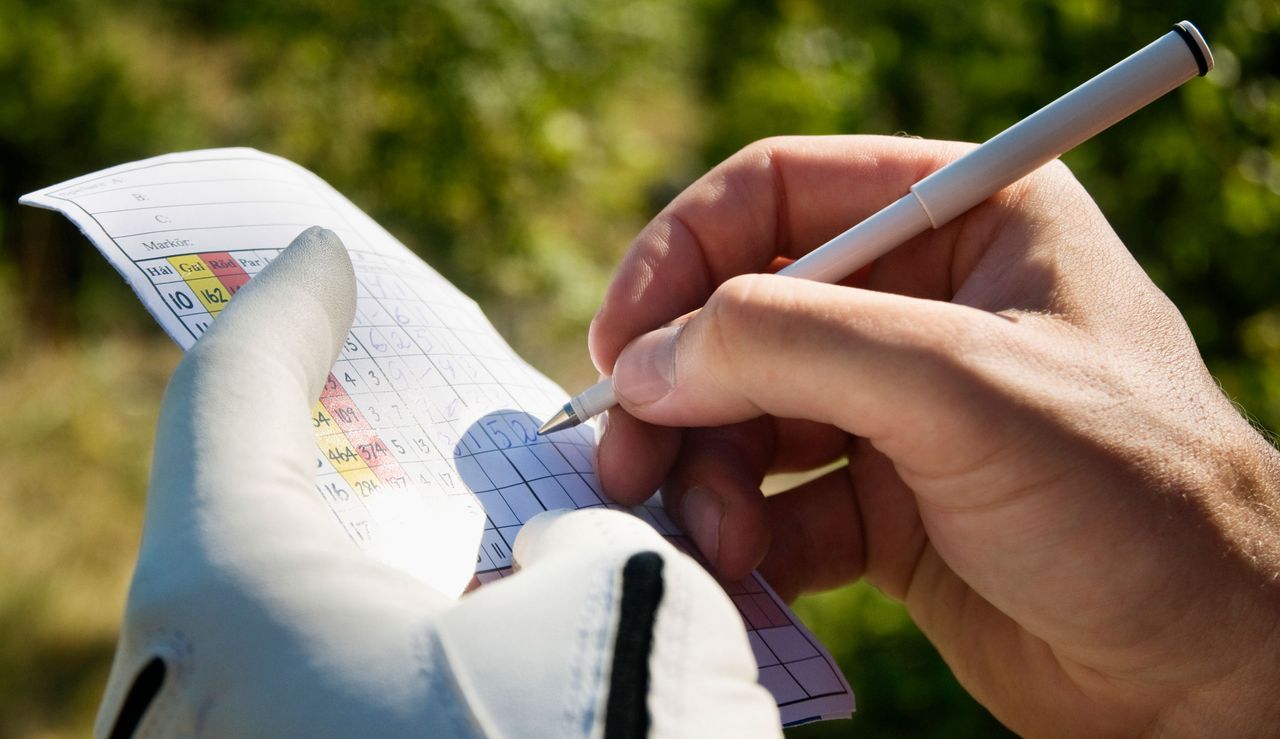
565	418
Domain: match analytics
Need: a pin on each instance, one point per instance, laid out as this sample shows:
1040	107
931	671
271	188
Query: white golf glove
251	613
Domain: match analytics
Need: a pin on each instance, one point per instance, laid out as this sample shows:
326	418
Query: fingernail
593	351
602	428
701	512
646	370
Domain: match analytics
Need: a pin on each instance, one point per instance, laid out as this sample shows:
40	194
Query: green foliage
505	141
518	144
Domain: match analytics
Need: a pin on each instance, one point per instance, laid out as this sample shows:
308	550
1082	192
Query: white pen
1144	76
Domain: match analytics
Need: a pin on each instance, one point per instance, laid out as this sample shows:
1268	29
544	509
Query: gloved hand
251	613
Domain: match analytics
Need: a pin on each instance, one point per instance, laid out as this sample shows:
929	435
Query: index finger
777	197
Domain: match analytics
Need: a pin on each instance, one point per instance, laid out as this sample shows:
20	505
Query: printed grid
425	399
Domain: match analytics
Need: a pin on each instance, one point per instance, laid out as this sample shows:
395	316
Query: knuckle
753	186
1057	170
743	166
1054	179
764	149
1049	200
740	303
740	319
740	187
971	351
756	164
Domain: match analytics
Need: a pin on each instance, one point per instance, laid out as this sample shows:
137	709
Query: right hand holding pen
1040	465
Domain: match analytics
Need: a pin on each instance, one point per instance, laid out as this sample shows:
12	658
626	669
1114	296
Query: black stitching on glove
145	687
627	712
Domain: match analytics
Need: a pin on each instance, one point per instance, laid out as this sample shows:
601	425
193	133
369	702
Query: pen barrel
1058	127
857	247
594	400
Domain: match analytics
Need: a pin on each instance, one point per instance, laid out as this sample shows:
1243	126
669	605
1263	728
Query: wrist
1242	701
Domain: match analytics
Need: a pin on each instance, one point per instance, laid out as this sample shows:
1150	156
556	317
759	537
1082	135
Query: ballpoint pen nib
565	418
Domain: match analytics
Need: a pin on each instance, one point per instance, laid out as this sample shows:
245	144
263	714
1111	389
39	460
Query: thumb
626	631
247	593
230	423
875	364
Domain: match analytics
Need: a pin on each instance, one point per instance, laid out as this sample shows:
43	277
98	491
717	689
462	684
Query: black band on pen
1201	63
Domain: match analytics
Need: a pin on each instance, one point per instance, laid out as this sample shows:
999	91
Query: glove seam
597	626
679	604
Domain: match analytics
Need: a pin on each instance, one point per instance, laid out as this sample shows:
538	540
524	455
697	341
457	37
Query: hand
252	613
1039	464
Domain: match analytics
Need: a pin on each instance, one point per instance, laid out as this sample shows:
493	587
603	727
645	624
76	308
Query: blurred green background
518	145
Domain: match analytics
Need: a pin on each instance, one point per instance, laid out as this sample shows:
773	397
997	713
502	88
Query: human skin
1039	464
